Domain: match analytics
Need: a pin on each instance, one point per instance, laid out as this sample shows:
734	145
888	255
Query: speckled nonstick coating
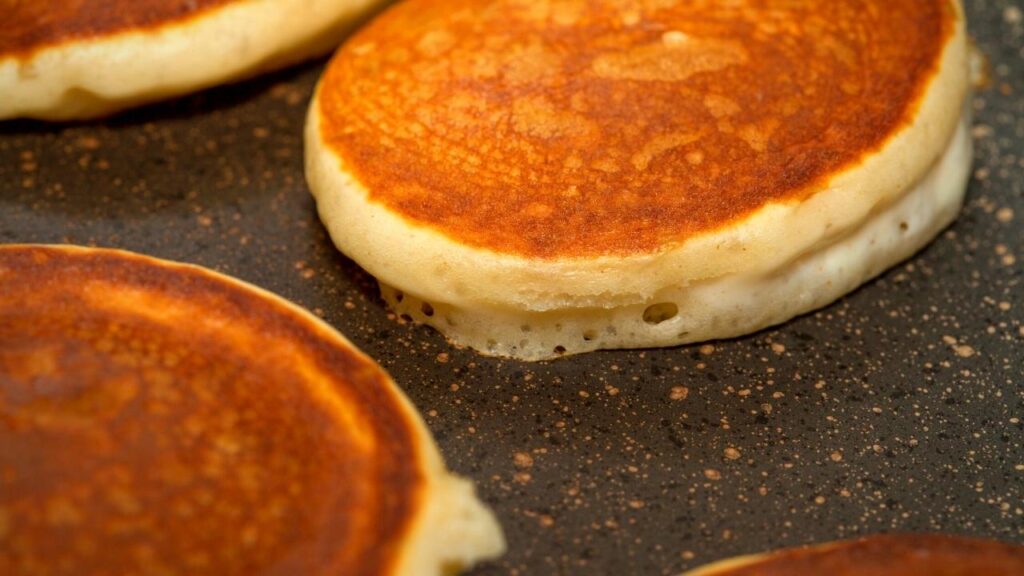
898	408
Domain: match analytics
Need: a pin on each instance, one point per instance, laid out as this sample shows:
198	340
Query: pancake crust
886	555
161	418
580	129
30	25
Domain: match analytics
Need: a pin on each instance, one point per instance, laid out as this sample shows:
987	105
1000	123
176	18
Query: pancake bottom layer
722	307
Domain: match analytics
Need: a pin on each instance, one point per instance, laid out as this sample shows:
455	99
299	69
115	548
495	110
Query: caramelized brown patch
899	555
159	419
560	129
33	24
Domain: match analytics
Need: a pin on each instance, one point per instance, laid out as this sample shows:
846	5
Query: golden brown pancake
887	555
522	160
573	129
162	418
66	59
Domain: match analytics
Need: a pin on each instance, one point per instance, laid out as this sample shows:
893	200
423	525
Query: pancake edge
423	260
725	566
452	527
90	77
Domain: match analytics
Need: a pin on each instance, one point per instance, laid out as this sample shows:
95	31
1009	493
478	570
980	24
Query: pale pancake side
715	308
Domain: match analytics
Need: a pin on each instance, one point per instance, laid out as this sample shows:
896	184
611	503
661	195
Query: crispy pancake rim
579	131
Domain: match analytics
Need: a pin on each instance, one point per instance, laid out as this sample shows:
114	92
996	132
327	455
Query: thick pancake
534	157
66	59
162	418
889	555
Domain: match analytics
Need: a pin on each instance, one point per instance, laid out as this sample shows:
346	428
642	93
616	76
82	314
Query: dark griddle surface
898	408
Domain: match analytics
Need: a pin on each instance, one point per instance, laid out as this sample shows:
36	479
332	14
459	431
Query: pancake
544	178
70	59
885	555
160	418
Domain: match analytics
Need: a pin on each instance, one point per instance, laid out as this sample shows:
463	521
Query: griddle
898	408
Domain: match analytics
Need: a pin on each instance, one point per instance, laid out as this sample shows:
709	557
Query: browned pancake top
580	128
159	419
32	24
898	555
